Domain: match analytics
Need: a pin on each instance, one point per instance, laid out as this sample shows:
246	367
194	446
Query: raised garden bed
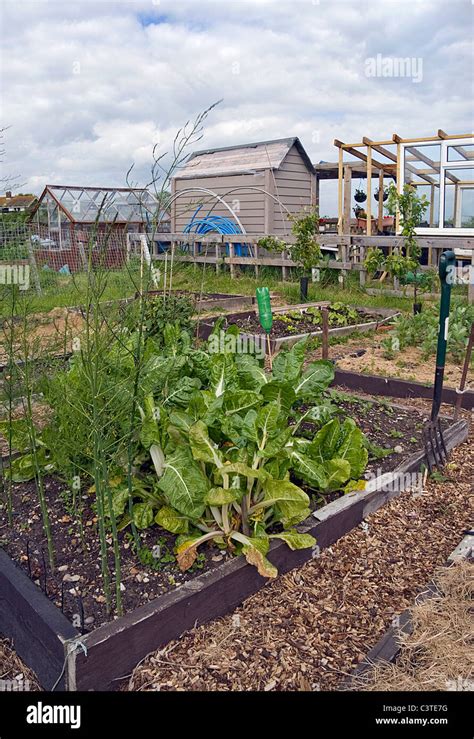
293	323
45	637
207	302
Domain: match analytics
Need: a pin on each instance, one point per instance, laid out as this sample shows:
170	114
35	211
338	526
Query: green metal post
446	263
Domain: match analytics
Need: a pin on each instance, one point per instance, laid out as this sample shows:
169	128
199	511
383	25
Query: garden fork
433	440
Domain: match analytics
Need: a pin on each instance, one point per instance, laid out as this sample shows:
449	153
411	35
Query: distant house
10	203
260	183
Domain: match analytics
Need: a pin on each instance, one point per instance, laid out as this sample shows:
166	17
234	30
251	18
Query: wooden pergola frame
406	151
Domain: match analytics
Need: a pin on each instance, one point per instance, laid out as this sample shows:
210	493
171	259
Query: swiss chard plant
223	459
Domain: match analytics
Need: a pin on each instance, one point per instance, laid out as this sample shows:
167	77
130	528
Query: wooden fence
349	251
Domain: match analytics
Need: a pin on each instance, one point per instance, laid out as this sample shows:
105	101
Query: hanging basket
360	197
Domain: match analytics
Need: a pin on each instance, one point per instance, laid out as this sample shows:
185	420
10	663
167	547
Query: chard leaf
267	421
182	392
325	442
288	363
239	468
355	485
309	470
295	540
251	375
280	392
240	400
338	471
254	552
221	496
223	374
321	413
352	449
274	446
171	520
315	379
184	484
290	503
249	425
142	515
186	552
158	459
119	501
181	420
202	447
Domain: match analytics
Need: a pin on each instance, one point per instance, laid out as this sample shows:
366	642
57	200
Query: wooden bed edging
46	640
395	388
36	627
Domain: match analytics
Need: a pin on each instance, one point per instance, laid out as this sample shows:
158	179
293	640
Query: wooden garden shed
258	185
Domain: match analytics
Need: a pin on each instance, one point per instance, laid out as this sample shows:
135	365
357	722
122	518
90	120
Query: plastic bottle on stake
264	309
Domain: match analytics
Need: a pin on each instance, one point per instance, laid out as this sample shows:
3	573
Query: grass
69	290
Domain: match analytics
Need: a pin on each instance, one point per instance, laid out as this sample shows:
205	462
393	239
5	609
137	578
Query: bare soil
365	354
46	333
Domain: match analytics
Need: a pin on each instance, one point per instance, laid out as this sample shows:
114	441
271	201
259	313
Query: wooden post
284	270
380	213
340	175
399	179
465	369
217	258
231	265
368	210
346	225
255	253
315	190
343	249
325	336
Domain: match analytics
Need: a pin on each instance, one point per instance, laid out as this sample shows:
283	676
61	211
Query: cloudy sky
87	87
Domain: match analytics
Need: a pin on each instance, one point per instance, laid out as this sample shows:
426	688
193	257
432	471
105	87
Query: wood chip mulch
308	629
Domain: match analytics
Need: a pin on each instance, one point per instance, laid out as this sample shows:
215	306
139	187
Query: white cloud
88	87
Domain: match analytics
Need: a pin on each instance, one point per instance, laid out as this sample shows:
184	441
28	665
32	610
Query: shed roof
242	159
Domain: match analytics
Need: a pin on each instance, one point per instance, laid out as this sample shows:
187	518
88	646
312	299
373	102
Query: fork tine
443	445
426	443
